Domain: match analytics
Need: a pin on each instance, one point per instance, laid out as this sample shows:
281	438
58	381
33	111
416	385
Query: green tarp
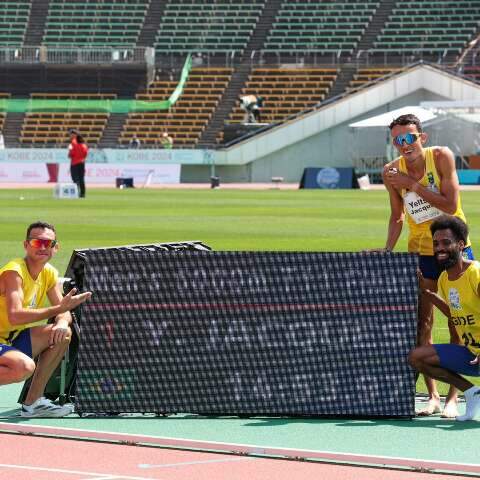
21	105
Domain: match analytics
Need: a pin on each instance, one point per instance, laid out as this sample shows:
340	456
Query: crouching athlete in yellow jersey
422	184
25	283
459	287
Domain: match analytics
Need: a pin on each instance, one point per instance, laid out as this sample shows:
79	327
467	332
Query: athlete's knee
65	341
22	369
415	358
68	337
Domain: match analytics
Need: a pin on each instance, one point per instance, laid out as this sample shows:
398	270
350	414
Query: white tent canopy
385	119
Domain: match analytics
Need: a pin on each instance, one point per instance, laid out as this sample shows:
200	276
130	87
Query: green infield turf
302	220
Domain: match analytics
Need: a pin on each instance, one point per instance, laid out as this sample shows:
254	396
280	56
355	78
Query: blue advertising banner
327	177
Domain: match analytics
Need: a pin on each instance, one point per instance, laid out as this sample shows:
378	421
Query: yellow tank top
420	214
462	298
34	295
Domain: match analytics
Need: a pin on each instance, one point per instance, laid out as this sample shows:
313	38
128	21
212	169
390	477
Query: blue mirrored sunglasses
407	138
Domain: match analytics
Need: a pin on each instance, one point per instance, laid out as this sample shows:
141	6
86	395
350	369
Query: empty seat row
187	118
435	26
315	26
95	23
176	34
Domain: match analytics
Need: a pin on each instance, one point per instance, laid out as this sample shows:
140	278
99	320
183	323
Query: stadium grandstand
110	69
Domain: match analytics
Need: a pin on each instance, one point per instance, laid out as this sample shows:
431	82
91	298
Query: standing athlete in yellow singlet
459	287
422	184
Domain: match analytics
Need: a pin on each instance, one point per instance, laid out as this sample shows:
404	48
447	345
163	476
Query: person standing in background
166	140
135	142
77	152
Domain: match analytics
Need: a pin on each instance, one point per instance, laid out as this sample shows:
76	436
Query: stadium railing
76	55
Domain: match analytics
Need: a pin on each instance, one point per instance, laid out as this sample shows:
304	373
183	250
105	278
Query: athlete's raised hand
71	301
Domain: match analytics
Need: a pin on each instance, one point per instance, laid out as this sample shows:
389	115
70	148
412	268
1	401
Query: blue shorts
429	268
456	358
23	343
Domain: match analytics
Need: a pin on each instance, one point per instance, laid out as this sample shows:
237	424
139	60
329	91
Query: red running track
24	457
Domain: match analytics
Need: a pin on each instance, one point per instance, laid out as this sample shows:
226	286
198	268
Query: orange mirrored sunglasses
41	243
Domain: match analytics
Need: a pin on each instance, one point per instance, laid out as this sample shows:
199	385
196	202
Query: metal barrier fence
75	55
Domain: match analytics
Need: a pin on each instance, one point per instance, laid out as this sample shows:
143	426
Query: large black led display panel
248	333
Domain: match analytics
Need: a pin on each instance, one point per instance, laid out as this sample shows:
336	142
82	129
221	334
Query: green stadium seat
13	22
319	27
94	23
436	26
51	128
220	26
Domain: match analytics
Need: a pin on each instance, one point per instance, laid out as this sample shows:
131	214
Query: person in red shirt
77	152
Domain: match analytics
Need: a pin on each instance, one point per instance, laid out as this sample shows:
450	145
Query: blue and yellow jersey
462	298
420	214
34	295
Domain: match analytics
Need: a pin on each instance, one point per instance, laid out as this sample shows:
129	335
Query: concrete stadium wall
330	148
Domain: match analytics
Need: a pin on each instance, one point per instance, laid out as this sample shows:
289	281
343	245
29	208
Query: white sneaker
43	407
472	399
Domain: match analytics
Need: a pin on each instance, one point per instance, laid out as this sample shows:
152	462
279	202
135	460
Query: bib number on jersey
419	209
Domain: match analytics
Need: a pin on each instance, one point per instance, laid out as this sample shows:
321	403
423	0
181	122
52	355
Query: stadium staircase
374	28
240	75
348	70
153	18
263	27
345	76
227	103
112	131
36	22
12	129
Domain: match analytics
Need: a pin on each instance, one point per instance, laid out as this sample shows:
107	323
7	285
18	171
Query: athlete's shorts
23	343
456	358
429	268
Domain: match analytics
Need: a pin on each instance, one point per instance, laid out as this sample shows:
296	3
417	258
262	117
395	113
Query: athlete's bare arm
446	199
395	223
11	286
